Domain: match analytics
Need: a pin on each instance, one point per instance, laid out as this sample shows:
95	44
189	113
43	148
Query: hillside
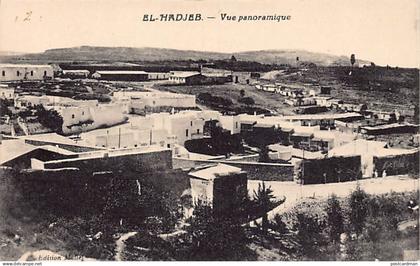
95	53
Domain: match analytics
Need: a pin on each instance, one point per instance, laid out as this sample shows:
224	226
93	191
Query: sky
382	31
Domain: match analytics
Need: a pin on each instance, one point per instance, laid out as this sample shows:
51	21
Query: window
198	131
72	116
17	73
3	73
45	73
83	113
236	125
32	72
191	123
186	132
168	145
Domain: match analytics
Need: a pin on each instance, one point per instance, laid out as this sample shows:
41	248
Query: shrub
247	100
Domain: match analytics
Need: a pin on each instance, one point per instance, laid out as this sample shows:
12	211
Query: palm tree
264	201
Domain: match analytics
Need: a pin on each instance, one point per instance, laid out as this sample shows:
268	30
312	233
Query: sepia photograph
209	130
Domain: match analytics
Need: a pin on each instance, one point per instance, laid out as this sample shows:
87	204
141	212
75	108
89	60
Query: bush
335	218
309	235
49	118
247	100
358	202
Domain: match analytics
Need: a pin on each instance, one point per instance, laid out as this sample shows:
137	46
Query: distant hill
96	53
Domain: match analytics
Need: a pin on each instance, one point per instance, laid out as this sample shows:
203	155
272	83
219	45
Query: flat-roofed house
14	72
223	187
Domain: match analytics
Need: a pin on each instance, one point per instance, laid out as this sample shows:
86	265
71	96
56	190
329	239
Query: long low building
157	99
123	75
394	128
16	72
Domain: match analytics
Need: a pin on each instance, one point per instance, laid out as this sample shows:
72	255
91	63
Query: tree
358	202
214	238
233	58
309	234
334	218
4	110
279	225
264	200
49	118
242	93
263	154
352	59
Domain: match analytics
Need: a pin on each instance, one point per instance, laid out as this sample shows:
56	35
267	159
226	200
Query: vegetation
335	219
211	100
211	237
222	142
246	100
264	201
358	209
49	118
4	110
309	235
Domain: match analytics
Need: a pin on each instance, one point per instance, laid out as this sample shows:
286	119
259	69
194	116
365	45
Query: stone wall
329	170
397	164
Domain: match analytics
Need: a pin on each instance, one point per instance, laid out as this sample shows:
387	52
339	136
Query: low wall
138	162
397	164
330	170
255	170
73	192
73	148
265	171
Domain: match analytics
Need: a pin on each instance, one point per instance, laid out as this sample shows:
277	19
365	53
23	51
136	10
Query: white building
231	123
158	75
162	129
80	73
86	117
156	99
182	77
7	93
13	72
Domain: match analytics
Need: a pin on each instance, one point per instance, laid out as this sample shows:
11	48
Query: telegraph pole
119	137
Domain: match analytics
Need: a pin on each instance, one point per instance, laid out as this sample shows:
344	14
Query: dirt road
295	192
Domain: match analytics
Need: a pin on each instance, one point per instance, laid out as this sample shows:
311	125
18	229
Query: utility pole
106	144
119	138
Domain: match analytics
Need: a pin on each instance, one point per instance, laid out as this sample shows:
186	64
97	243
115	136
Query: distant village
106	126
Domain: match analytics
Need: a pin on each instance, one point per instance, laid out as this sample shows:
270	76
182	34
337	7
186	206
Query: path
120	244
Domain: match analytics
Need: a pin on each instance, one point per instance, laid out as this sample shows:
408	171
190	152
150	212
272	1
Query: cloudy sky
383	31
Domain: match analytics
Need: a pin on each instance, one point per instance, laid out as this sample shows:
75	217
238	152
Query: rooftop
23	65
388	126
121	72
112	153
11	149
54	138
184	74
76	71
213	172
